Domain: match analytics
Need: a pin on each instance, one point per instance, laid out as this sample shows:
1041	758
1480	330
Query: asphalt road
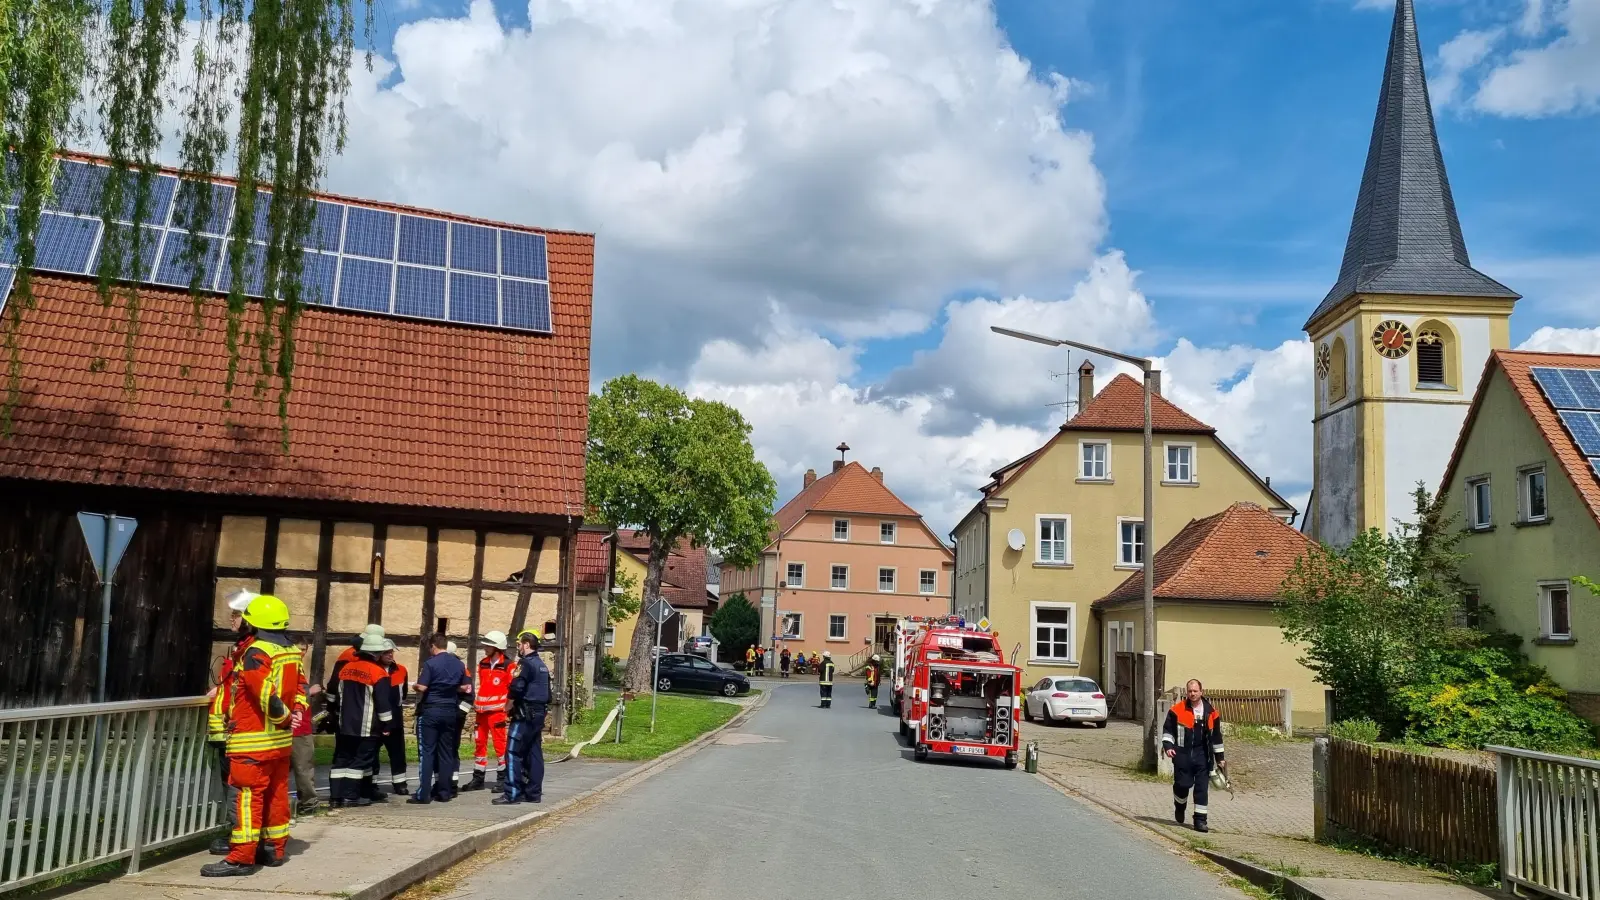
802	803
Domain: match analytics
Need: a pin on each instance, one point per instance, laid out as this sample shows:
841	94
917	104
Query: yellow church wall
1051	487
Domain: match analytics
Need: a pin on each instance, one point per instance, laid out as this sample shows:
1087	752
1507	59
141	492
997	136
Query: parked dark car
682	672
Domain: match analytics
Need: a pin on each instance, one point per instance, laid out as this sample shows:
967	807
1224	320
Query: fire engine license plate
975	751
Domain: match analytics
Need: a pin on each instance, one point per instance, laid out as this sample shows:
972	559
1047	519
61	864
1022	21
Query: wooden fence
1445	810
1270	708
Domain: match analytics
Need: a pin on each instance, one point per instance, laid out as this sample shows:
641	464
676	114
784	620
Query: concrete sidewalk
372	852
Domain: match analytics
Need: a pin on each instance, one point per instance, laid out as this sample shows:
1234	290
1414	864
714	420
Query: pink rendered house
848	559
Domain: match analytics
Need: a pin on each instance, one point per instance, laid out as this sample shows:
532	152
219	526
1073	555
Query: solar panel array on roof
1575	393
357	257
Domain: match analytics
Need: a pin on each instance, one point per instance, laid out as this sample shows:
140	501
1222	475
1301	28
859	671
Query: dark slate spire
1405	237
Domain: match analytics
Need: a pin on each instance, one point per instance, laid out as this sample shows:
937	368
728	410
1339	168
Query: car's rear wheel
1100	724
730	689
1027	711
663	683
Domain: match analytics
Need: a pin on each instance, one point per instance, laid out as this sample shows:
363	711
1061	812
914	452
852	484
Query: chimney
838	464
878	474
811	477
1085	384
843	448
1155	382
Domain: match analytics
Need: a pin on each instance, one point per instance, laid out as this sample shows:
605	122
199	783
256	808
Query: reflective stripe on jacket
264	691
494	682
217	715
827	672
1182	733
365	707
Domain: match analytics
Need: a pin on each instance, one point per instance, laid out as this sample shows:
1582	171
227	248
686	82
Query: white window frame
1066	539
1166	463
611	636
1033	633
1547	611
1118	633
800	622
838	587
894	532
846	529
1105	461
1122	562
788	575
845	620
927	590
894	579
1479	519
1525	493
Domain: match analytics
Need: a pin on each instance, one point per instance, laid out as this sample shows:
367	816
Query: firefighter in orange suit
217	718
489	700
263	692
1192	739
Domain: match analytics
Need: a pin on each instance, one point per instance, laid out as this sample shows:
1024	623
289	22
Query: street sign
105	550
660	611
983	624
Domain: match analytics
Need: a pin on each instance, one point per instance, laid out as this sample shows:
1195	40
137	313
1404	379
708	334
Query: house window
885	532
791	625
1055	537
1119	636
1052	631
1534	506
1095	457
1436	368
886	580
841	529
836	628
1555	615
927	581
1130	542
1338	367
1180	464
611	637
1480	507
797	575
839	578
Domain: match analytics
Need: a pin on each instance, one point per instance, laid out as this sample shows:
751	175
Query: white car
1066	699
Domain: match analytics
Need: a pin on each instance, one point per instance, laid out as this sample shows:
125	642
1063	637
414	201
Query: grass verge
679	720
1475	874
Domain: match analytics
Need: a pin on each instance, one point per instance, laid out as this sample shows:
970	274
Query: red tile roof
683	584
1516	365
384	411
1241	553
851	489
591	560
1120	407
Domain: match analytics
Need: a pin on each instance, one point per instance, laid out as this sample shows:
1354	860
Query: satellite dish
1015	539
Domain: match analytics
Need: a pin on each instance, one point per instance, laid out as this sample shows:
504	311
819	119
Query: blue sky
814	211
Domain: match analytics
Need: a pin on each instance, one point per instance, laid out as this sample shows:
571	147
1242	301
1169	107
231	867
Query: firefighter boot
476	784
1177	812
1200	822
400	789
221	847
225	869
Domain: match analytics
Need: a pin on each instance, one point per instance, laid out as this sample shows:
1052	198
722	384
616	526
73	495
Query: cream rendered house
1074	506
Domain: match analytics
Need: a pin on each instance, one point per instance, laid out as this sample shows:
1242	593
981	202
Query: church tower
1401	339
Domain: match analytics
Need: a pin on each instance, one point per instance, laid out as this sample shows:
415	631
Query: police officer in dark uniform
1192	739
440	683
529	699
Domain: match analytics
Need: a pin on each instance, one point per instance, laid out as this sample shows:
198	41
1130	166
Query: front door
883	634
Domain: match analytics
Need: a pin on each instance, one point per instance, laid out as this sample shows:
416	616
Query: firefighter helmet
267	613
827	654
239	601
529	633
495	639
877	658
371	643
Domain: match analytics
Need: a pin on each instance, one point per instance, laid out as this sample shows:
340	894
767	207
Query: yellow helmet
267	613
527	633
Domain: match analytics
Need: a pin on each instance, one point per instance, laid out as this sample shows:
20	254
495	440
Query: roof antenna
1054	376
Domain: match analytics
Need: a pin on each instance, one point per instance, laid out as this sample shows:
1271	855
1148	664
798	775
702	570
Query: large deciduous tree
677	469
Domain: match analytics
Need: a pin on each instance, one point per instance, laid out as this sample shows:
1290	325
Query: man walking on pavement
365	714
394	737
494	679
441	684
825	678
1192	739
873	676
217	718
263	693
529	700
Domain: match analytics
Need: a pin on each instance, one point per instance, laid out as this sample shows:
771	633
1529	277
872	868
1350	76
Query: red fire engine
955	692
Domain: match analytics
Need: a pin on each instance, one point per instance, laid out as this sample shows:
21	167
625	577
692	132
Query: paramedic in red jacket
489	701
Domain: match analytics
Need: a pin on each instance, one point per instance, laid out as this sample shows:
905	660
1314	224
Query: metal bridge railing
94	783
1549	823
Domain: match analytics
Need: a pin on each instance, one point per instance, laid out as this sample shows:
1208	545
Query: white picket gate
1549	823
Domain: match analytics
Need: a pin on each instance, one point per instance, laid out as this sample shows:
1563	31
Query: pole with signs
660	611
107	536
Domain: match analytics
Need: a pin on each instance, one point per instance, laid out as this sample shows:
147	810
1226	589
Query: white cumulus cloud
1559	76
1565	340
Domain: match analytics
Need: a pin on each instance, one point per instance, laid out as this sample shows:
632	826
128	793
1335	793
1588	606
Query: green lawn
679	720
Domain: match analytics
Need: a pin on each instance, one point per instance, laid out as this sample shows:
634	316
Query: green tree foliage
1491	694
1379	615
679	469
736	625
625	605
263	82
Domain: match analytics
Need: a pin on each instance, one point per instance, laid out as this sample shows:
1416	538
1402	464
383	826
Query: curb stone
486	837
1256	875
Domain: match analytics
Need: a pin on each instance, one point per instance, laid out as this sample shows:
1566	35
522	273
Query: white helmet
371	643
495	639
373	629
239	600
388	644
827	654
450	647
877	658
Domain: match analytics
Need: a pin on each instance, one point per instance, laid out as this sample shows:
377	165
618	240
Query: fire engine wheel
920	753
1011	760
904	731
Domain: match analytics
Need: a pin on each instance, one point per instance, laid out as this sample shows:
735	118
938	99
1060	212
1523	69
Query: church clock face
1324	359
1391	339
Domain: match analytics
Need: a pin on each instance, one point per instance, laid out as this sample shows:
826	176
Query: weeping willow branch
285	63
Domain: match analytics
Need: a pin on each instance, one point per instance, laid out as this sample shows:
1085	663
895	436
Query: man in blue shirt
441	683
529	699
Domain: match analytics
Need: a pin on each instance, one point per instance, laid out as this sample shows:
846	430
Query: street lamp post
1147	685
